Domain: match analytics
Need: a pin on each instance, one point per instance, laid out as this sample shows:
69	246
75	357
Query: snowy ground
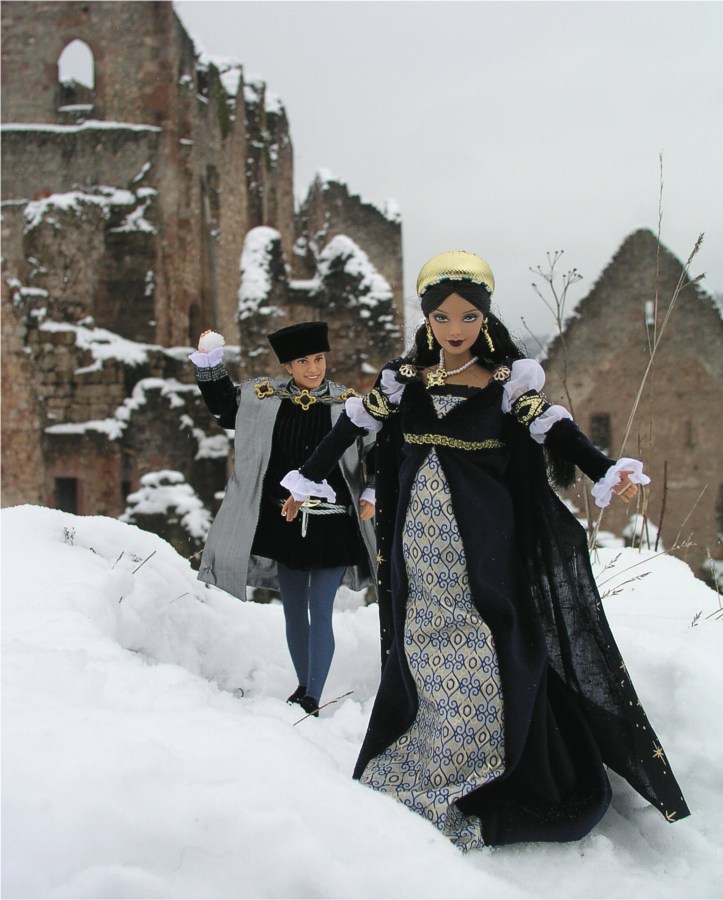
134	767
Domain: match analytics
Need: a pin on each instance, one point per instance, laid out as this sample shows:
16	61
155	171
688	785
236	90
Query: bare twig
143	563
324	705
662	503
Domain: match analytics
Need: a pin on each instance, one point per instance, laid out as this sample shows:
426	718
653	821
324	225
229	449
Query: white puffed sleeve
526	376
354	408
392	388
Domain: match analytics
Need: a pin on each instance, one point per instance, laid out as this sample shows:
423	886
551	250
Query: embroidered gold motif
304	399
436	378
350	392
442	440
529	407
501	373
658	753
408	370
376	404
263	389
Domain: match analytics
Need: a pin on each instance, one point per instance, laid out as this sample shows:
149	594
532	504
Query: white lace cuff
354	408
301	488
527	375
602	490
370	495
207	360
542	424
391	388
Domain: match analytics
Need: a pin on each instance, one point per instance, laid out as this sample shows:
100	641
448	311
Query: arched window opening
76	81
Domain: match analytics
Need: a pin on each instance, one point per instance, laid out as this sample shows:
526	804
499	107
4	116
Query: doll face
456	323
307	371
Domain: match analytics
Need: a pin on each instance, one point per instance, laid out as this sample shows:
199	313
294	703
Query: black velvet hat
299	340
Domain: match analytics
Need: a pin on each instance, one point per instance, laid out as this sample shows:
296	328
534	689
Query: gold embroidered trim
444	441
529	407
376	404
303	398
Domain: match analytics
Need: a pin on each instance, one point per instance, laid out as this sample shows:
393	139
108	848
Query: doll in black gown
503	696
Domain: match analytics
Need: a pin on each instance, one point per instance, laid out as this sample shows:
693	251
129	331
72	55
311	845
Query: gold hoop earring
430	336
488	337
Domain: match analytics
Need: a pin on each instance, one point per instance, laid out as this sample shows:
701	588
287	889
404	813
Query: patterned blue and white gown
456	742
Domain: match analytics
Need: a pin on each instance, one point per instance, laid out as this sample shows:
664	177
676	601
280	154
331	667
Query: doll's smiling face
456	324
307	371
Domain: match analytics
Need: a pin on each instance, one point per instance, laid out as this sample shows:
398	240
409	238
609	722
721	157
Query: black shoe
297	695
309	705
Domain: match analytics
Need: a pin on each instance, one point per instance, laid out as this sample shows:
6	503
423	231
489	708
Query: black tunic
331	540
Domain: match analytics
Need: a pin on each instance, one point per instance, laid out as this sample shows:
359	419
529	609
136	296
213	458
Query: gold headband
455	265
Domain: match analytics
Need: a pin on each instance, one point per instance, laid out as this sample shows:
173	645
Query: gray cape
227	561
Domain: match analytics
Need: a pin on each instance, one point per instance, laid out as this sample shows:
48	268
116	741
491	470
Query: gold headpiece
455	265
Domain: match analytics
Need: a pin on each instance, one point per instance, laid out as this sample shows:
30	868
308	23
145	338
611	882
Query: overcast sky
505	128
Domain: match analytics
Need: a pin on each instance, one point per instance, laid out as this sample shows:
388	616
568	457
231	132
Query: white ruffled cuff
527	375
542	424
354	408
370	495
207	360
602	490
391	388
301	488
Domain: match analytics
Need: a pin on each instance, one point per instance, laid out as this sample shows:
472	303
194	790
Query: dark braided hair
478	296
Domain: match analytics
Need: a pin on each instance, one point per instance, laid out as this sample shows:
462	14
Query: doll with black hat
503	697
253	542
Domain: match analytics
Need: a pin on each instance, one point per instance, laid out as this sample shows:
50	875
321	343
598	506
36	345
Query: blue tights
308	600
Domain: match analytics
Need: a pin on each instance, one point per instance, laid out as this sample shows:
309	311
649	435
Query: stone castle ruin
677	431
137	210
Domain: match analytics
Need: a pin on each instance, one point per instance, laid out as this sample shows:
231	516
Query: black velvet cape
570	707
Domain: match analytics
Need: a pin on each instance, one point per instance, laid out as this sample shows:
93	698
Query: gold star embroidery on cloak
380	558
670	816
658	753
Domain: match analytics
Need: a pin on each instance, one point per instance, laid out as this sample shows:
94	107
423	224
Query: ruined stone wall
607	353
330	210
124	225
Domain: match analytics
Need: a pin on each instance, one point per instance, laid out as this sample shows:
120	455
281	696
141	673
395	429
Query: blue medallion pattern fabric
456	742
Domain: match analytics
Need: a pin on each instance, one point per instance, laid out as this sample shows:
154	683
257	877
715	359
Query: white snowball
210	341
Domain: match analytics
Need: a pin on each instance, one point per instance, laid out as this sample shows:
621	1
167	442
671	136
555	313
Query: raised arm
219	392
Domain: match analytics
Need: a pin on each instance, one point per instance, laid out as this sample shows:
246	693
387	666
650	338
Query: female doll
503	695
278	423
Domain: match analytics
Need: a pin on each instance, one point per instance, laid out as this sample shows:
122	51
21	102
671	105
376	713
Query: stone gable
678	430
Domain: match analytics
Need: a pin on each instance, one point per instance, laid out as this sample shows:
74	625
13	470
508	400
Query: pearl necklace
438	377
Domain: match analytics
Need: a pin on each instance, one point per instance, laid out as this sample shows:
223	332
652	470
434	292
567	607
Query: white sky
505	128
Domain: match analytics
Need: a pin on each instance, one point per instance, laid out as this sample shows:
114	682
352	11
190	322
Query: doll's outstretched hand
625	489
366	510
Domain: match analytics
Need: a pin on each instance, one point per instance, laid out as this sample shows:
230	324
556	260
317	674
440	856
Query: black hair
478	296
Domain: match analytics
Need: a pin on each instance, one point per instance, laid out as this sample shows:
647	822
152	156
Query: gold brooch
502	373
263	389
304	400
437	378
407	370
